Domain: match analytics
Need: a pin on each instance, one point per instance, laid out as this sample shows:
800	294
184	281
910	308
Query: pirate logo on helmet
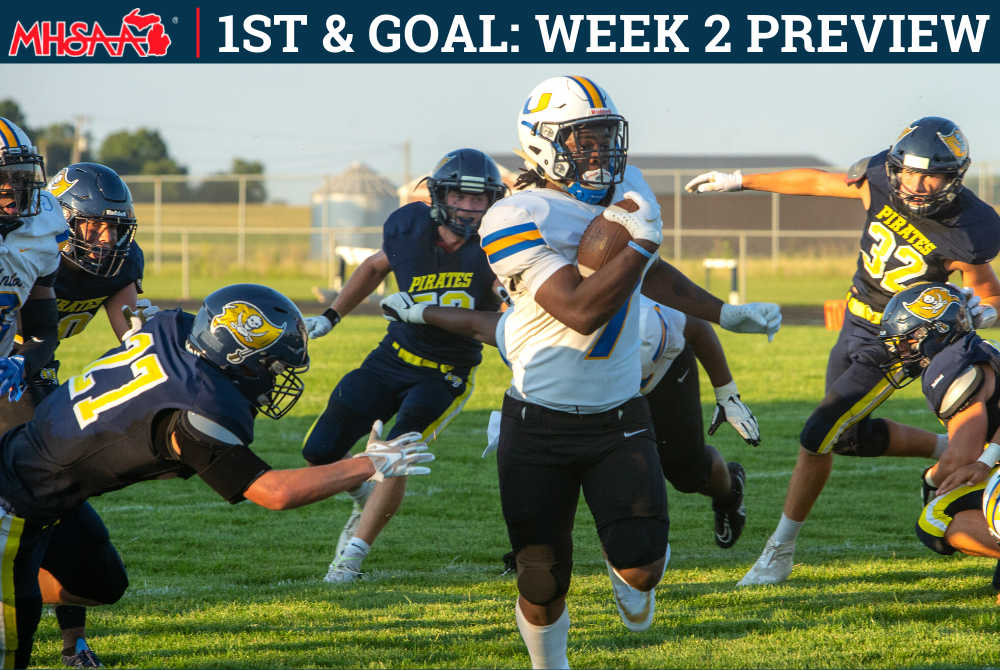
249	327
931	303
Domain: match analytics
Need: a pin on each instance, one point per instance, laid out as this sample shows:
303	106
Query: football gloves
753	317
642	224
983	316
729	407
400	307
144	311
12	377
318	326
397	458
716	181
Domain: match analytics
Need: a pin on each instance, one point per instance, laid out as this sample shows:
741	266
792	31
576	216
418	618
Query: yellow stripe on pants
11	528
432	431
860	410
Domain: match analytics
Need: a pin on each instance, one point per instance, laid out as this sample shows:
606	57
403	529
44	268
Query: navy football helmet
917	324
464	171
930	145
22	176
101	218
257	337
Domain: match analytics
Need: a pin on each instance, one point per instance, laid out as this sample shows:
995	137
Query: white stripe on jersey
527	237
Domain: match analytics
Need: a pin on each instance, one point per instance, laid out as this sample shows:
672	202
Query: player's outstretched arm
801	181
967	433
983	282
362	283
481	326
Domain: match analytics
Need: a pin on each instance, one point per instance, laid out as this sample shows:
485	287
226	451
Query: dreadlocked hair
529	178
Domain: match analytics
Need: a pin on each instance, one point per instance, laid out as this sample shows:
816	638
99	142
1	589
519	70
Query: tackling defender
572	418
177	398
100	266
671	341
922	226
927	330
420	374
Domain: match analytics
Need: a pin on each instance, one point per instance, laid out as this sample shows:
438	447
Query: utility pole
79	139
406	164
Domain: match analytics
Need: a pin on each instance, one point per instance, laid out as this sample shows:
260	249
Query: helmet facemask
21	184
923	204
590	154
286	389
912	351
464	222
99	245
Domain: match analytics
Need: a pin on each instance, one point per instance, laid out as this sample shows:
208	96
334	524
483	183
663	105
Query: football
603	239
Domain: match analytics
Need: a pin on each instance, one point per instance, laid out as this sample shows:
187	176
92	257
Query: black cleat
927	492
83	658
729	520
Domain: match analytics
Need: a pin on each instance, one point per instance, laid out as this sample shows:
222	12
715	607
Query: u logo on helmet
249	327
60	184
931	303
956	142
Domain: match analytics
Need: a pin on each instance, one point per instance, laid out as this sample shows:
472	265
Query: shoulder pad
965	386
856	174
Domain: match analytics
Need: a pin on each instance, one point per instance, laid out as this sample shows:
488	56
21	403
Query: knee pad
632	543
868	438
334	433
543	576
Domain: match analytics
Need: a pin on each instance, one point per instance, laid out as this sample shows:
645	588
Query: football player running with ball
100	266
178	398
927	330
573	417
922	226
419	373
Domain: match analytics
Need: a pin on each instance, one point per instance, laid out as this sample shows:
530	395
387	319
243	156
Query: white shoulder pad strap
961	390
212	429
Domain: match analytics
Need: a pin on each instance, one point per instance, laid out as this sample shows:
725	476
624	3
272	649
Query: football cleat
351	527
635	607
927	492
729	520
773	566
83	658
343	570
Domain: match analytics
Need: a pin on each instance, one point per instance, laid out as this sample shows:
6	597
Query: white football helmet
549	128
22	175
991	504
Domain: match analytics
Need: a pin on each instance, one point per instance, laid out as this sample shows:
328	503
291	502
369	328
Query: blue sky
320	118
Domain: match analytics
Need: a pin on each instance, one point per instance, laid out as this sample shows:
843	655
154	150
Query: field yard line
877	468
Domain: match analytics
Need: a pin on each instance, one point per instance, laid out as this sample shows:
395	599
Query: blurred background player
572	417
177	398
419	373
922	226
671	341
927	329
100	266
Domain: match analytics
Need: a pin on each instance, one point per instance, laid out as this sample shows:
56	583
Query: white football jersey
30	252
527	237
662	331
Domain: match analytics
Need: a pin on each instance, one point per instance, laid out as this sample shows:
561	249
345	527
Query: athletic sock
787	530
546	644
356	548
940	447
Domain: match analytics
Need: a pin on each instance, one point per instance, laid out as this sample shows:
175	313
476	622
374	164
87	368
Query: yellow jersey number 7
146	369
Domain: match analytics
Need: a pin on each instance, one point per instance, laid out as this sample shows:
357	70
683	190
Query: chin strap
586	195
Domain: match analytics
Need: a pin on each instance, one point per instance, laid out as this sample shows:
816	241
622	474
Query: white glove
400	307
983	316
397	458
753	317
729	407
318	326
716	181
642	224
144	311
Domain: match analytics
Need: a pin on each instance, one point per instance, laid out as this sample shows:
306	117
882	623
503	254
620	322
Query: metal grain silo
356	198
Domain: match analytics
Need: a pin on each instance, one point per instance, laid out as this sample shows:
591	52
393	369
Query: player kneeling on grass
927	330
671	341
177	398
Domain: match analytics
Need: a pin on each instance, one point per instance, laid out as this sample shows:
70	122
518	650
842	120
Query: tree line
139	152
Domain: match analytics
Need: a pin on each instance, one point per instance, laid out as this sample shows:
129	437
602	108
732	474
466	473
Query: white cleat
635	607
351	527
773	566
343	570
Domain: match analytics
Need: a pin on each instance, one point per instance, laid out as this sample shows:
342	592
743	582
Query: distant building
356	198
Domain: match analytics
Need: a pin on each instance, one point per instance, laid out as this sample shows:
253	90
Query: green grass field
214	585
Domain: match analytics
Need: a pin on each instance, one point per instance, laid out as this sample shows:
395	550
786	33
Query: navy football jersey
94	434
954	363
430	275
899	249
79	294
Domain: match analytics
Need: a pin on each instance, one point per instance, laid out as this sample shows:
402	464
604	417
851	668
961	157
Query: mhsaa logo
931	303
249	327
143	32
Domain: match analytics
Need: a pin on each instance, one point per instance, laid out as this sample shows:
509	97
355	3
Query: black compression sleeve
48	280
228	468
40	331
